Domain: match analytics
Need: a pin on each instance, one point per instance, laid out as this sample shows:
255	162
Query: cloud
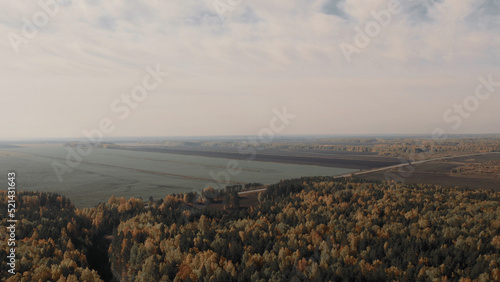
485	15
273	53
335	7
417	12
107	23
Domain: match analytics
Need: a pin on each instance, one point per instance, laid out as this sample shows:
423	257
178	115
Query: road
413	163
388	167
251	191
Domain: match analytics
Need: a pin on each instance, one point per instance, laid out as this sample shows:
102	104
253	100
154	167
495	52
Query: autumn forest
317	228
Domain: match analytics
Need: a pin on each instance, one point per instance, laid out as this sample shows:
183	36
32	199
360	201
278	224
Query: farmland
482	171
127	173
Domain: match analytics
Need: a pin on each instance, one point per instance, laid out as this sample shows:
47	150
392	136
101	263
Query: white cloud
264	54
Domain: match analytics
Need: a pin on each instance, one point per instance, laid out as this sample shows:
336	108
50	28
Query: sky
229	67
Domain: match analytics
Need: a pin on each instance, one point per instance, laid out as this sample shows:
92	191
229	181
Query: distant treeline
104	145
417	148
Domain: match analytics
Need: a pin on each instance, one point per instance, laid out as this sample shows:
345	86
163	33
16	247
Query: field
144	169
128	173
354	160
467	172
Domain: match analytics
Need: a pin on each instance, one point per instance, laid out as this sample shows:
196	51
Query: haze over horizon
228	75
247	137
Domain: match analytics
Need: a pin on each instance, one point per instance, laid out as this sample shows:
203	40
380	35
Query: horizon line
337	135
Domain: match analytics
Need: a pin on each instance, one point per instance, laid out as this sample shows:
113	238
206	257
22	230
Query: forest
315	228
414	147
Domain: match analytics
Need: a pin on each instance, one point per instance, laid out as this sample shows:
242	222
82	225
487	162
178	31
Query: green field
107	172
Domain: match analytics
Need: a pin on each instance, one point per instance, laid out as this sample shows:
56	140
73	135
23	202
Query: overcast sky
230	69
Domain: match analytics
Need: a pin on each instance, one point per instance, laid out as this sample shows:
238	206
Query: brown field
352	160
475	172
